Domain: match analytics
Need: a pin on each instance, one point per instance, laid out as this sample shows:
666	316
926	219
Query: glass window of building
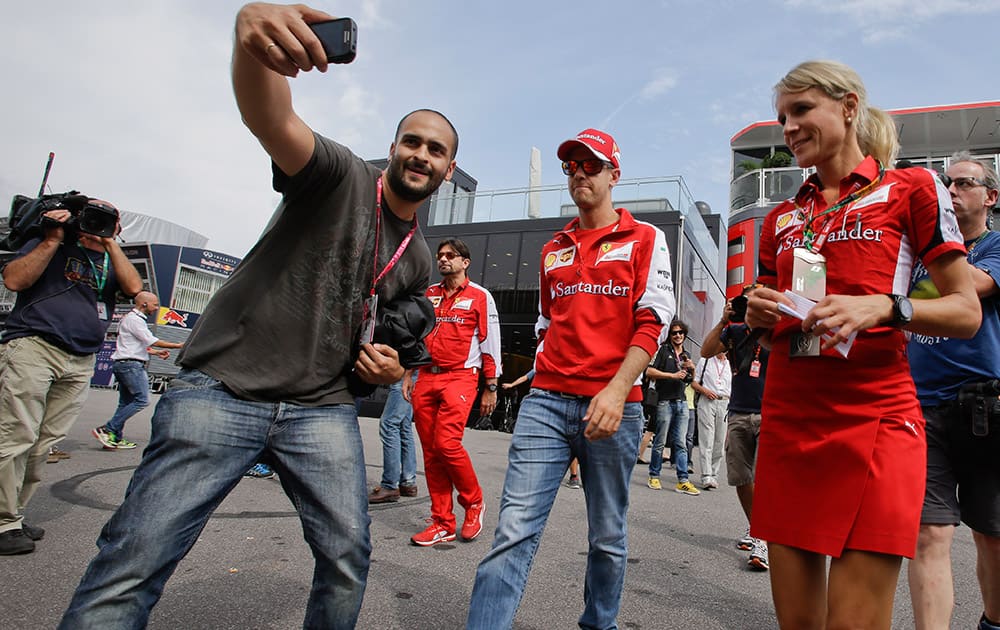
195	288
737	245
502	257
734	276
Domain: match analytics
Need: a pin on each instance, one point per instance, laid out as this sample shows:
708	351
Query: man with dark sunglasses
465	341
605	293
672	370
957	383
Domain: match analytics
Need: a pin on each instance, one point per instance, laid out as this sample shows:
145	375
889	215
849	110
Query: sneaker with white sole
686	487
105	437
758	556
746	542
260	471
433	535
654	484
123	444
473	524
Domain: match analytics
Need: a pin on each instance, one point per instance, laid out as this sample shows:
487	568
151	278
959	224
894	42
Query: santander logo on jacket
601	291
467	333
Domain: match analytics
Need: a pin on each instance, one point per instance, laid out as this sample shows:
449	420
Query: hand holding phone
339	38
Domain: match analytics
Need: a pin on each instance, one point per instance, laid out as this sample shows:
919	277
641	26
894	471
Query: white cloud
892	20
662	82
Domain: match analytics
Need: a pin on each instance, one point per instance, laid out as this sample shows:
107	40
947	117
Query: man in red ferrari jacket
465	340
605	294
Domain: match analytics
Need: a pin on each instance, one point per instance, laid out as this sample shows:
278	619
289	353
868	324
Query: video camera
27	221
27	218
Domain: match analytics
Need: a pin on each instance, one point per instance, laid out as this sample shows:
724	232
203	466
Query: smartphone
339	38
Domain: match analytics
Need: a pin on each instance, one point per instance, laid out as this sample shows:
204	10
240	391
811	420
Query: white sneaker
746	542
758	556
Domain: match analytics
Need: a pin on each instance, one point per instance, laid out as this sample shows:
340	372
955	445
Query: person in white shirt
130	357
712	384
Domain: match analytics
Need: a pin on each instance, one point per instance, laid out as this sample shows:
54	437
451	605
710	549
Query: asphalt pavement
251	568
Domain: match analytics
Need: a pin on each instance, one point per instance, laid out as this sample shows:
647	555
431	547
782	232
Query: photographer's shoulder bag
650	397
697	394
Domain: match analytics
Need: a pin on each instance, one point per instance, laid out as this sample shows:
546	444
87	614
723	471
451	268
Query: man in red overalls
465	340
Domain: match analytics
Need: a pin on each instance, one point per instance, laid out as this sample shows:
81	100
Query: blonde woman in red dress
841	464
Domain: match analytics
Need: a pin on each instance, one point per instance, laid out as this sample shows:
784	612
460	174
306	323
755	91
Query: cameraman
748	360
66	282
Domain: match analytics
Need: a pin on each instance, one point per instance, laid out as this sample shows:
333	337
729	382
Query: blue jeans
202	442
671	426
133	394
395	428
692	424
548	434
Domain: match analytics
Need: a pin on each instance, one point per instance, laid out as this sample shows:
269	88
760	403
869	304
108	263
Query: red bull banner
176	318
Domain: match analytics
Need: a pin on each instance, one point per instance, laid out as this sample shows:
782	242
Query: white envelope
802	307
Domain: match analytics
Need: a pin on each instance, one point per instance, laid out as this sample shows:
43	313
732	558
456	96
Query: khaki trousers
42	389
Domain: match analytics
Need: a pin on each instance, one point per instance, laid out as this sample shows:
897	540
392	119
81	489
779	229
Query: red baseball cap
601	144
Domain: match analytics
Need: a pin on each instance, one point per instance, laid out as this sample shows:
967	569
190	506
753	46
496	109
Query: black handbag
650	397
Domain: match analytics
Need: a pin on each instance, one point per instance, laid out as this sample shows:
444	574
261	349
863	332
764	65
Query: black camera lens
97	220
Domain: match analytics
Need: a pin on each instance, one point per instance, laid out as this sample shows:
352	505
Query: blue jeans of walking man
671	427
133	394
395	428
203	440
548	434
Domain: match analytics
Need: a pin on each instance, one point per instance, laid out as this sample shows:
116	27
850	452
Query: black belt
133	360
571	396
437	369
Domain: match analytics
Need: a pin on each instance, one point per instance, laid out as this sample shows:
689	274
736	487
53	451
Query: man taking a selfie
265	372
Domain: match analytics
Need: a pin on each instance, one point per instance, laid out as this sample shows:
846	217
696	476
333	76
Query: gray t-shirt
283	326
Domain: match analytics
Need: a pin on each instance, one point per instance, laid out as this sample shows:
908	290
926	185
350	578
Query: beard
408	192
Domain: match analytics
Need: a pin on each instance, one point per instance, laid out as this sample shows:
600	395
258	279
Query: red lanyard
378	225
720	369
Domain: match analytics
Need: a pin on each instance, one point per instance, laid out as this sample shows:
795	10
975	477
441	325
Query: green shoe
122	443
105	437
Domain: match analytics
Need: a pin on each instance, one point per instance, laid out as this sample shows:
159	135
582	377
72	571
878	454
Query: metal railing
764	186
549	201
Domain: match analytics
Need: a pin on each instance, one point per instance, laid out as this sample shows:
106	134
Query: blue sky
135	98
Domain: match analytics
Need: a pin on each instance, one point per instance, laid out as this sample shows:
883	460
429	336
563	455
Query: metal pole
678	287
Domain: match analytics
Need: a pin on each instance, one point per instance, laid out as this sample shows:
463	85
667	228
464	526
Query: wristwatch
491	387
902	310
